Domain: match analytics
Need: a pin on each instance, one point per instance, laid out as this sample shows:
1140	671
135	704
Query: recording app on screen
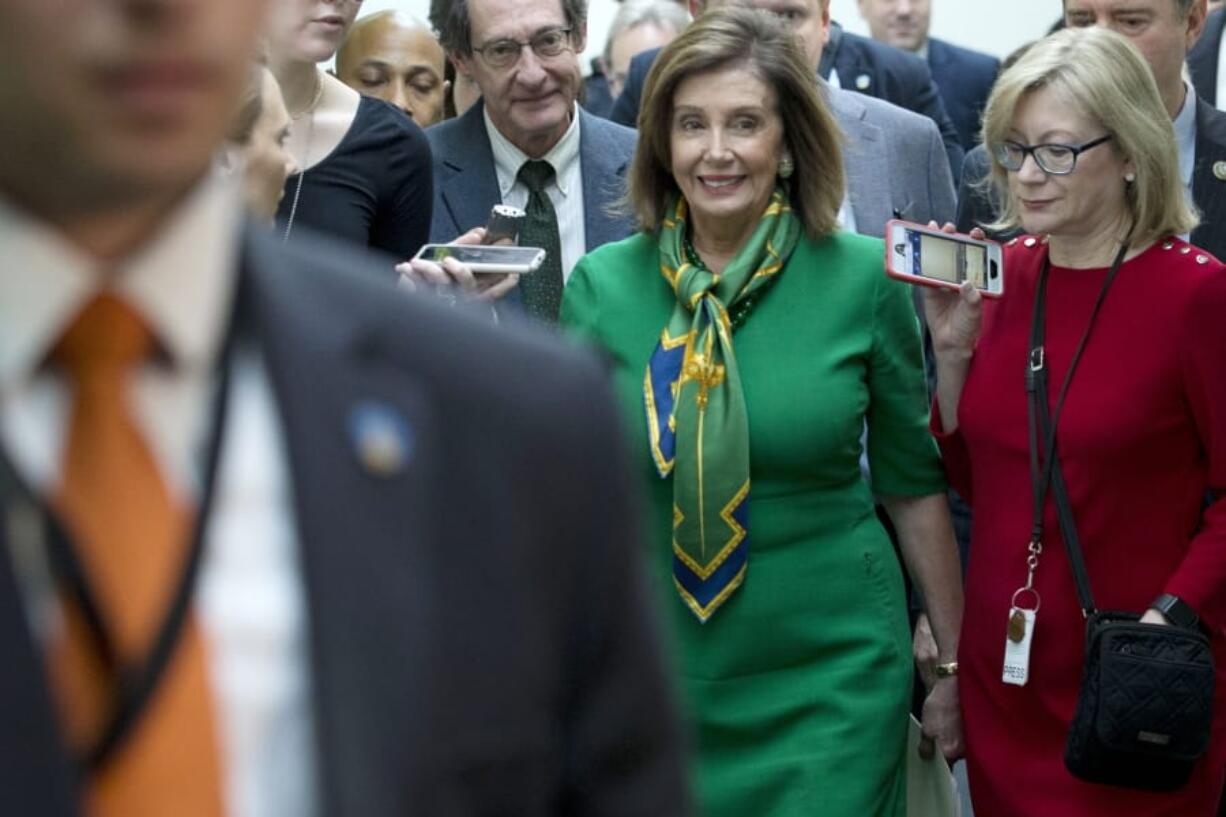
948	260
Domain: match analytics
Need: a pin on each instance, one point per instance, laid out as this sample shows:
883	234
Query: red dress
1142	439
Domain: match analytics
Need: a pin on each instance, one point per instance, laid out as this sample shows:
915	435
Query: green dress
797	689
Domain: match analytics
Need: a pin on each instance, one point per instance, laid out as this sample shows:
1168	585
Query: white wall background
994	26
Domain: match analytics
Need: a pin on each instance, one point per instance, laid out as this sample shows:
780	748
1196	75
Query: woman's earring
786	167
1130	177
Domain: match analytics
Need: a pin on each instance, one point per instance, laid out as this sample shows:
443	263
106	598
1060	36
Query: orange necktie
131	537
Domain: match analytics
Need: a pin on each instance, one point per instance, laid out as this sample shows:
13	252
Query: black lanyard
1048	474
134	683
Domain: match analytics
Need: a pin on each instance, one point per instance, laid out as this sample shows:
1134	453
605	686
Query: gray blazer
466	184
479	634
894	160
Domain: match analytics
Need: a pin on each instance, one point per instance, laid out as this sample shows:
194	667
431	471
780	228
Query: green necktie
542	290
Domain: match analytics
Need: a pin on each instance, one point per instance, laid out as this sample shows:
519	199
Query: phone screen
480	254
948	259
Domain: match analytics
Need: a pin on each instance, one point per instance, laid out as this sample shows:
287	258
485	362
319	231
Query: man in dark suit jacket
465	631
963	77
528	115
1208	178
1204	59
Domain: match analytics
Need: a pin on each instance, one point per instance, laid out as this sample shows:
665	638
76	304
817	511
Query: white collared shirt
565	191
1221	75
250	598
1185	140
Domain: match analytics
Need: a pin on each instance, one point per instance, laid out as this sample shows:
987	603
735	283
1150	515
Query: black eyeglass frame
1032	152
565	31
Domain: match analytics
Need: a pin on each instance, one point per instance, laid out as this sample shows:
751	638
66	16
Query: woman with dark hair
759	338
366	174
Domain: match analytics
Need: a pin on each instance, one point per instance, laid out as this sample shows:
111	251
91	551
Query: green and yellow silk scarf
696	417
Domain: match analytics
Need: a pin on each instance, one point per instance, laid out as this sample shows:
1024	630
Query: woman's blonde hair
1104	76
728	37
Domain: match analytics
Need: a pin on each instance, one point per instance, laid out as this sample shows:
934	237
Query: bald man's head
395	57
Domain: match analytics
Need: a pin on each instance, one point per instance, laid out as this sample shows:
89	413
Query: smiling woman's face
309	30
726	140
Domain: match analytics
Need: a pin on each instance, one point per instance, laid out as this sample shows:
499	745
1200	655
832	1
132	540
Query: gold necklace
318	95
310	135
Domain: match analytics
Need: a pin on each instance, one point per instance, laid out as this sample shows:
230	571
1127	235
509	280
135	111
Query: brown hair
721	38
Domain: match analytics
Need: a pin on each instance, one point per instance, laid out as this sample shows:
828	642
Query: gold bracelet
947	670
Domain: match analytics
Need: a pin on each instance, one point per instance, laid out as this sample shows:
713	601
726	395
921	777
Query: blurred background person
256	146
395	57
640	25
963	77
1207	61
780	586
842	59
464	91
364	166
1163	31
891	160
528	144
1084	159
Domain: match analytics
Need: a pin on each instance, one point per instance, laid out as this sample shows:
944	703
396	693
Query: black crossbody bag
1146	699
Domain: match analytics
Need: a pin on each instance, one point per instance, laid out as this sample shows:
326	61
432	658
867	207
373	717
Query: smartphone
927	256
482	258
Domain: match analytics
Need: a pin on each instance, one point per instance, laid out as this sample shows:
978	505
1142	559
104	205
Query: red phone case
926	281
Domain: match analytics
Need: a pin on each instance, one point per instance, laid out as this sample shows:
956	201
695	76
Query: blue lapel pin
382	439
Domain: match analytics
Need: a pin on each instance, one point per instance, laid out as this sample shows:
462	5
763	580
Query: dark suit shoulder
602	133
352	294
976	61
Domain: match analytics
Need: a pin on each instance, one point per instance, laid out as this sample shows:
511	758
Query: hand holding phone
935	258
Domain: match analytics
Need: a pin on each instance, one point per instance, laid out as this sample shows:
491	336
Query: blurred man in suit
964	77
240	568
394	57
528	143
1163	31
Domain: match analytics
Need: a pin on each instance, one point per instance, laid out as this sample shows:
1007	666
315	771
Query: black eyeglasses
500	54
1054	158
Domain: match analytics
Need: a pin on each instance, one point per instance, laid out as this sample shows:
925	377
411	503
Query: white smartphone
482	258
927	256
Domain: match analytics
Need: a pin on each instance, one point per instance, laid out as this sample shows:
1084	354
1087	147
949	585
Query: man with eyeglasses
1163	31
528	143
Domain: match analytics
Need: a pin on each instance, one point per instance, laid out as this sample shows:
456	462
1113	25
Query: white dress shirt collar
508	158
1185	135
183	291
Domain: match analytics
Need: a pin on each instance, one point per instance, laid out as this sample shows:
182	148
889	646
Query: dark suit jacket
478	635
466	183
1203	58
1208	189
864	65
965	79
888	73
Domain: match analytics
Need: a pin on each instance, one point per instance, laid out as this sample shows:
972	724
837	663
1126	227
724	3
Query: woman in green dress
759	339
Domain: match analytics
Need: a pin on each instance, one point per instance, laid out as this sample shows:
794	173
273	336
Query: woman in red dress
1084	158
